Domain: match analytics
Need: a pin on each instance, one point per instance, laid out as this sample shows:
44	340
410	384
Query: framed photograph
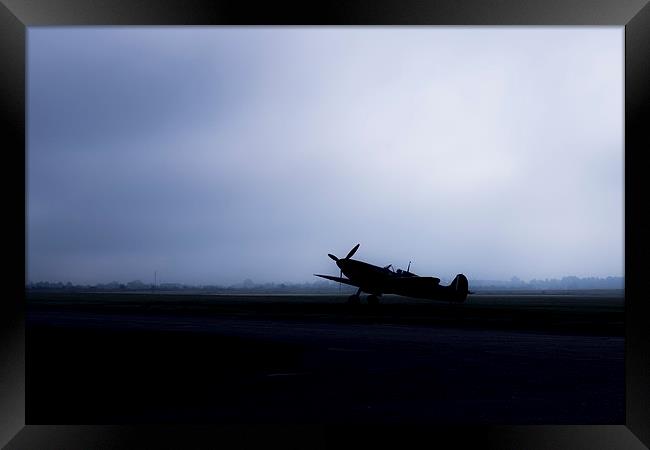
367	223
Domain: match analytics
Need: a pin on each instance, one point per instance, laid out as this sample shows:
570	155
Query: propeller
353	251
349	255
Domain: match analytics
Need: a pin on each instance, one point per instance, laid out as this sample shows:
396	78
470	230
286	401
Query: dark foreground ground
498	359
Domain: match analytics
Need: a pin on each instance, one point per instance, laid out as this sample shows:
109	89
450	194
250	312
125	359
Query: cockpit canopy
399	272
405	273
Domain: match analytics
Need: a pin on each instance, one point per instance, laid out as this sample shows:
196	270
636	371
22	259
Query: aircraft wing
338	279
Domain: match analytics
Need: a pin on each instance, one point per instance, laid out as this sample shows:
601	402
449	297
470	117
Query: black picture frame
634	15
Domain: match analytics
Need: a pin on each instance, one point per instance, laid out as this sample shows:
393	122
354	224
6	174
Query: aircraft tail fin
461	286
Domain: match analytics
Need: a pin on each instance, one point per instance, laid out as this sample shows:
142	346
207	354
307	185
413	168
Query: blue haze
211	155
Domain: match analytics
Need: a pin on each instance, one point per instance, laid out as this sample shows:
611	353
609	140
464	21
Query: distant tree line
245	286
328	287
564	283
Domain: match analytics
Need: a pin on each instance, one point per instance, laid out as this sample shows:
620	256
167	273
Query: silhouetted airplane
377	280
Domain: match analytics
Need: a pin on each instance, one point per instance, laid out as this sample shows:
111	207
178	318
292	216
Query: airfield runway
152	358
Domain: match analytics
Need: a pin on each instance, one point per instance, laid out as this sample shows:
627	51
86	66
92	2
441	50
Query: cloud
217	154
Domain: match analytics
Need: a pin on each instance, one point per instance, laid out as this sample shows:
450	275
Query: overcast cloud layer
216	154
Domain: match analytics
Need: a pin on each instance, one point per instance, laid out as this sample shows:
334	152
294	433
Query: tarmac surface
156	358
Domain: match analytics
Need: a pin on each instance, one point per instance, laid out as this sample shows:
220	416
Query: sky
214	154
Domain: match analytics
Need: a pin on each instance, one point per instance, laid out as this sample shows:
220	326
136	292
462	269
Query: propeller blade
353	251
333	257
340	276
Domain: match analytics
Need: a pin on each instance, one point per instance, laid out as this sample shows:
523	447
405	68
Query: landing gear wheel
373	300
354	300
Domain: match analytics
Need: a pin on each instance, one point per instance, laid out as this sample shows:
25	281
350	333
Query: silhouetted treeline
564	283
326	287
247	286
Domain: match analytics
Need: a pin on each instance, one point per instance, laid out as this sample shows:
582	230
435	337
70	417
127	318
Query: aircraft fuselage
380	280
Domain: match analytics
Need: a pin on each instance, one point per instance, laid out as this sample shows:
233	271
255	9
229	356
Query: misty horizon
212	154
248	282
